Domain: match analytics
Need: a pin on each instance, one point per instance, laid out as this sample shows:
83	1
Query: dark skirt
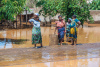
61	31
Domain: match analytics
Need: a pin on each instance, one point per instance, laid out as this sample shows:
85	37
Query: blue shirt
35	23
72	24
76	20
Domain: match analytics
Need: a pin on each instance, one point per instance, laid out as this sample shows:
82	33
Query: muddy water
71	63
20	38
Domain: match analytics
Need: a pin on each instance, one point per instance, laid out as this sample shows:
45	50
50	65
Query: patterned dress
73	30
67	29
36	32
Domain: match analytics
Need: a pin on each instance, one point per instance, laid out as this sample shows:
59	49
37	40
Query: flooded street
71	63
22	53
20	38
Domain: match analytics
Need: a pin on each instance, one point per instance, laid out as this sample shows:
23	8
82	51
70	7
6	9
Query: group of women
69	28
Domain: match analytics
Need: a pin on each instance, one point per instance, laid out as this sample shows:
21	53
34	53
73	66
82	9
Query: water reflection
6	43
95	62
20	38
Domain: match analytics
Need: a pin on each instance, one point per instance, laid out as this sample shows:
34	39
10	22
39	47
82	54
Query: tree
10	8
94	5
49	7
79	8
67	8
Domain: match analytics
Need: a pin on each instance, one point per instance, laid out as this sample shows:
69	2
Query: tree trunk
45	20
20	20
50	19
1	22
13	24
82	25
16	22
26	17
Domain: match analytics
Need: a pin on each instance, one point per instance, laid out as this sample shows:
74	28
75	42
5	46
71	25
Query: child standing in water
68	29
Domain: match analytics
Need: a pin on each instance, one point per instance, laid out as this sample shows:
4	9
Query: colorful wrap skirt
67	33
73	33
61	31
36	35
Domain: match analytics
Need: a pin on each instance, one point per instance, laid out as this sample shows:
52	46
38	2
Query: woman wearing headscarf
36	30
60	26
68	29
73	29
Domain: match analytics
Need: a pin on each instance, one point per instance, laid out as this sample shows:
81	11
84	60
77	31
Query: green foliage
79	8
49	7
10	8
95	5
67	8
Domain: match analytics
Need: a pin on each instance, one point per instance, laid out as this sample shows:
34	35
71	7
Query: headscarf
36	14
70	19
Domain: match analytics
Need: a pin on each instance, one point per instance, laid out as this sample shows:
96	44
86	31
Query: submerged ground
16	49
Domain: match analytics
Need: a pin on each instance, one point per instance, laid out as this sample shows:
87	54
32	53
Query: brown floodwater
93	62
85	55
20	38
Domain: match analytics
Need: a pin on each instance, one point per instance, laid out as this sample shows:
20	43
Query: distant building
30	14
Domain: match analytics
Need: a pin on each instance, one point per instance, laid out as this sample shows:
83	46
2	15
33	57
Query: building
26	14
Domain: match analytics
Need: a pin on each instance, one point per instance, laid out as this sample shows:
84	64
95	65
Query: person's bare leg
35	45
72	42
75	42
61	42
41	45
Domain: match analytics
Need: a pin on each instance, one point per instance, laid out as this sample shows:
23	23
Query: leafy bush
10	8
95	5
67	8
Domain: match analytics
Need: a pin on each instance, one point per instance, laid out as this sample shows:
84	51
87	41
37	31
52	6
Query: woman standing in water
73	29
60	26
36	31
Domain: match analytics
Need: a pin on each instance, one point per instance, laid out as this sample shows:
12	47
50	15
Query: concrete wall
95	14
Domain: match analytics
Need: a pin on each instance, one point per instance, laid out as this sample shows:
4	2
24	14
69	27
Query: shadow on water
15	41
7	43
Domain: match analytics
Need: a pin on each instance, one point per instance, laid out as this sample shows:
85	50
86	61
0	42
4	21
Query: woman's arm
30	21
79	23
65	27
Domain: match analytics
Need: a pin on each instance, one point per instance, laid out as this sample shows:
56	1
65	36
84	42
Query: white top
67	24
35	23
